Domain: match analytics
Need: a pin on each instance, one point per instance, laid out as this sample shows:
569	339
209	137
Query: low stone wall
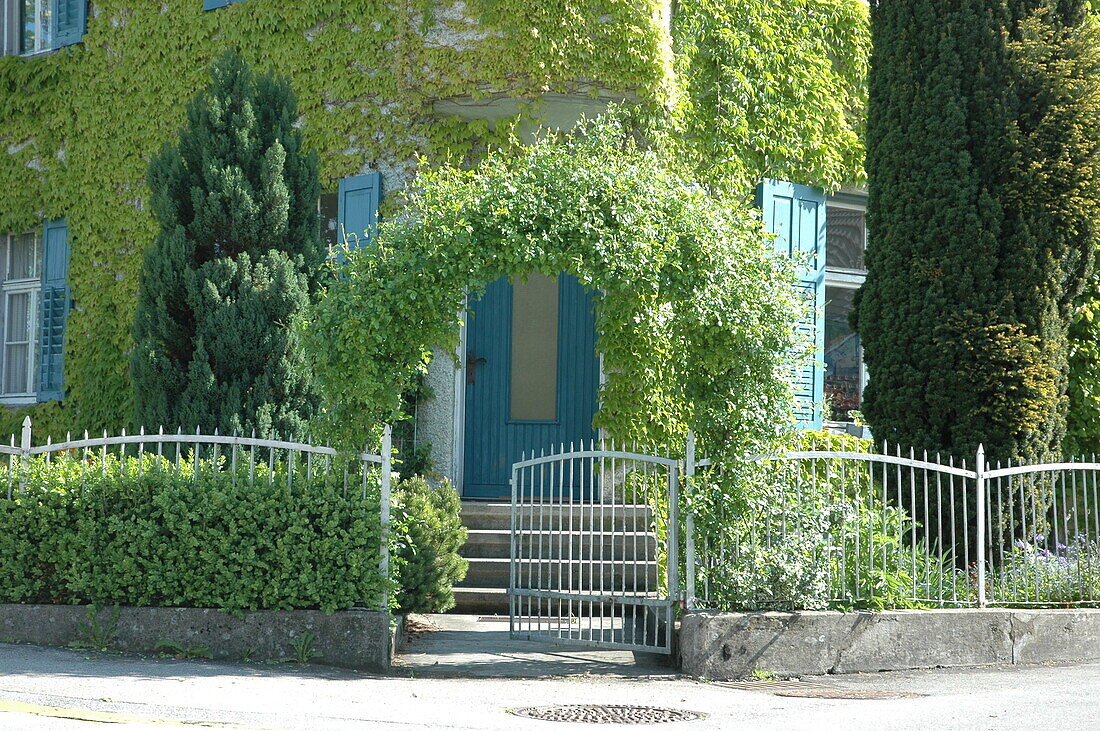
727	645
356	638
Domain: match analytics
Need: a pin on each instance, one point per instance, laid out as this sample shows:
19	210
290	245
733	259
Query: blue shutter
67	20
796	215
358	203
54	312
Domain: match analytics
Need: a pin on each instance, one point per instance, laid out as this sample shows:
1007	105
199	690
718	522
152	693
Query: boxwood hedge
153	533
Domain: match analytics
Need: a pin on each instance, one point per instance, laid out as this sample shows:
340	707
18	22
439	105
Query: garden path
472	646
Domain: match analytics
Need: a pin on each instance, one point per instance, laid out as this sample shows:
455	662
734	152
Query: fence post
25	452
979	471
384	517
25	444
689	529
674	592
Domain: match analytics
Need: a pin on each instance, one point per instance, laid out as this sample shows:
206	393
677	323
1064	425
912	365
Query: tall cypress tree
981	159
237	257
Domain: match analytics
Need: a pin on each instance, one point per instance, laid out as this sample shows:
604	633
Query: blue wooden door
531	377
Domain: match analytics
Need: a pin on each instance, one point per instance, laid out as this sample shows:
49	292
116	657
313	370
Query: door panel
531	377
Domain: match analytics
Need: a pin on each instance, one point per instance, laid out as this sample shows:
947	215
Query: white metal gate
591	560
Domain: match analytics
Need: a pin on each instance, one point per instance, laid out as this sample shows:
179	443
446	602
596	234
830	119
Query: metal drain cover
606	714
802	689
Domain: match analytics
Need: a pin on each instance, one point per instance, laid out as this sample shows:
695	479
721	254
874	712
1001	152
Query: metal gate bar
591	561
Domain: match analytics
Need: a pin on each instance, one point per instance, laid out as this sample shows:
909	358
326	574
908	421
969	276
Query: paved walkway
469	646
48	688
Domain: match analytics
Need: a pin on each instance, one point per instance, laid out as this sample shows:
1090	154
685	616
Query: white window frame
9	27
9	287
11	42
844	278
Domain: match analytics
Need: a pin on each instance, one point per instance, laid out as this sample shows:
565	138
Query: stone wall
718	645
356	638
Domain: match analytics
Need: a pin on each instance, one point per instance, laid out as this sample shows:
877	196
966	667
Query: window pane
845	235
330	224
535	349
17	325
15	368
23	256
843	382
36	24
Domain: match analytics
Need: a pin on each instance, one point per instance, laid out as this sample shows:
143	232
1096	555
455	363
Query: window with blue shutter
54	311
796	215
67	21
38	26
357	218
212	4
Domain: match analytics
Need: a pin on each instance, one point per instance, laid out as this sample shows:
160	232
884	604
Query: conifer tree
237	257
982	136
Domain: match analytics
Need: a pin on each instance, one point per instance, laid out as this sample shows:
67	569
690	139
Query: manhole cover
607	714
802	689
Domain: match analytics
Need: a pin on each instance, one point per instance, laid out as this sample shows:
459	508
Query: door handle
472	362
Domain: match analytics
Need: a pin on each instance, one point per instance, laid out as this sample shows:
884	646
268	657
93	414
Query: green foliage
413	457
304	648
79	126
982	157
116	532
238	253
1083	408
429	536
694	312
183	652
812	534
773	90
1032	573
99	635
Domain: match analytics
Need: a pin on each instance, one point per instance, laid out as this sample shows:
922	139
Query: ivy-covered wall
755	89
77	127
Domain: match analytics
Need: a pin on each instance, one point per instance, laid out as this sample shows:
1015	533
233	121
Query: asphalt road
43	688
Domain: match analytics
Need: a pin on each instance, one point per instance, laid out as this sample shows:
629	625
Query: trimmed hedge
111	532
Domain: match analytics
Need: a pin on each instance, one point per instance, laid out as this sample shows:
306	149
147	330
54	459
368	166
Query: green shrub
428	535
1033	573
813	534
111	531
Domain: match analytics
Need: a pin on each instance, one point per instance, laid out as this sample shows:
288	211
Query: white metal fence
250	459
890	528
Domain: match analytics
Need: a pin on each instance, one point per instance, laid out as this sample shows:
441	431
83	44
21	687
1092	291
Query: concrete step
624	545
494	601
474	600
493	573
498	516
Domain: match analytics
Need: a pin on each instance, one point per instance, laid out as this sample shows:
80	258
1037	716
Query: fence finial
25	442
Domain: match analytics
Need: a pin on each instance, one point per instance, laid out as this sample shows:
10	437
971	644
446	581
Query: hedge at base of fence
355	638
103	530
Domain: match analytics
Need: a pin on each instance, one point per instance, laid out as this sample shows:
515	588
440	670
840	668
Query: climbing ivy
77	127
773	90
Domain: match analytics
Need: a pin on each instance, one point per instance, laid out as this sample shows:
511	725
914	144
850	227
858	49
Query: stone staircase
620	541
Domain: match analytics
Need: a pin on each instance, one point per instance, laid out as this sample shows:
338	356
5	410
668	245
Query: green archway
694	316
